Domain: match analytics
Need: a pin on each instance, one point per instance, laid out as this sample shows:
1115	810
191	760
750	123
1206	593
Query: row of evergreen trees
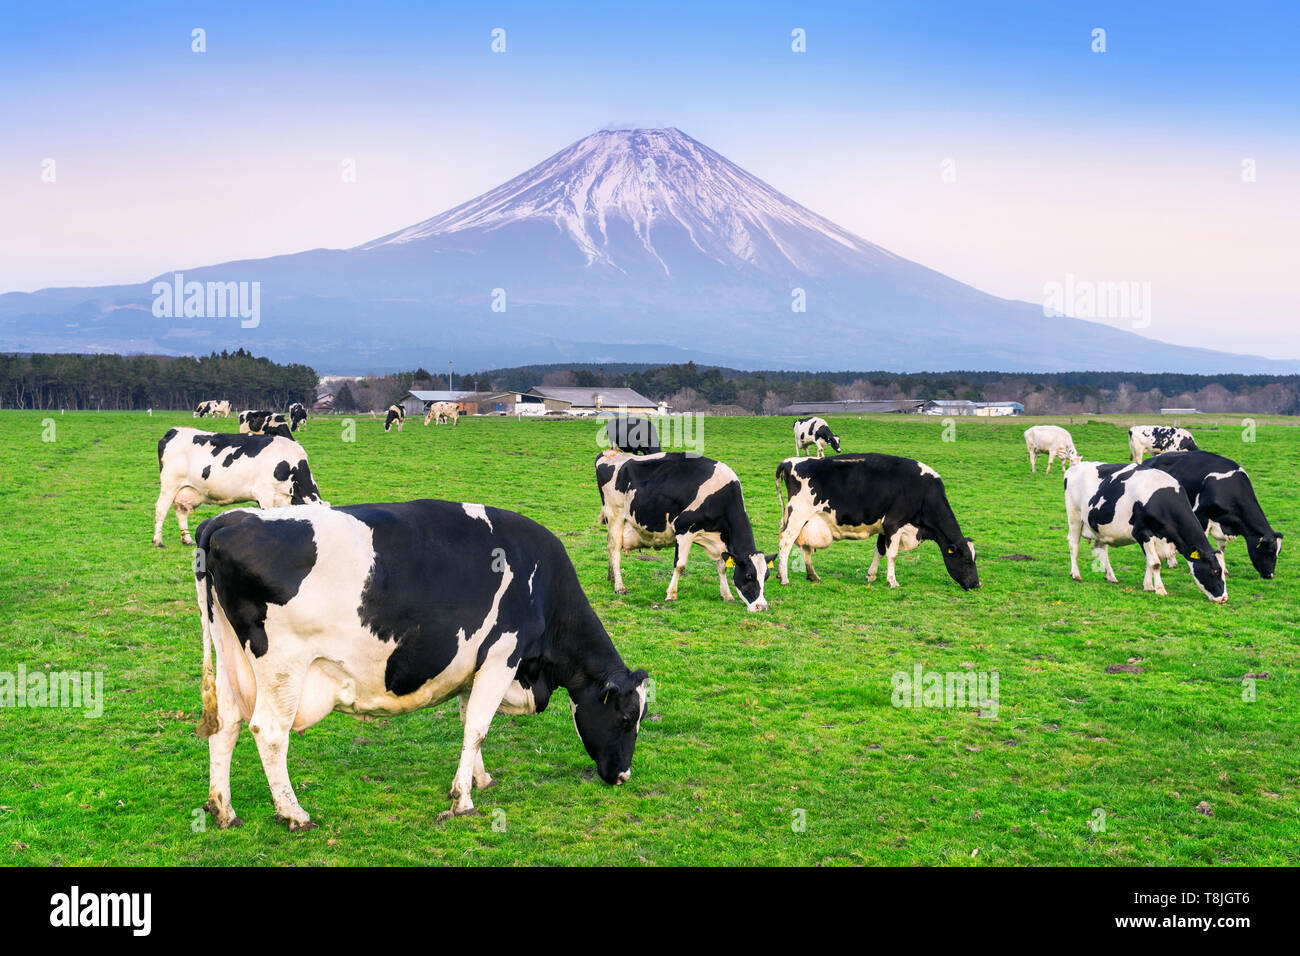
127	383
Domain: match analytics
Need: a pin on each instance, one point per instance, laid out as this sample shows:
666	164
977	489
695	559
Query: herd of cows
307	609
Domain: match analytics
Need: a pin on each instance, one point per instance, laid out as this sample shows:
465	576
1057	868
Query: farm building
1178	411
417	400
588	401
854	407
519	403
962	406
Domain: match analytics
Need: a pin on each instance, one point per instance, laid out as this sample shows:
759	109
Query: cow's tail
782	472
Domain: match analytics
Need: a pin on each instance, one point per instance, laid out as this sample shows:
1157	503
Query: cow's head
959	559
835	443
1207	572
749	573
1072	456
607	715
1264	552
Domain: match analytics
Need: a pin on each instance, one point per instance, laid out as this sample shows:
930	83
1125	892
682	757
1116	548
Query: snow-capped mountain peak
657	183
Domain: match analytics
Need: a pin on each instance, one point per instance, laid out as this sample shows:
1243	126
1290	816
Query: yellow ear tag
606	698
771	564
1196	555
950	550
730	563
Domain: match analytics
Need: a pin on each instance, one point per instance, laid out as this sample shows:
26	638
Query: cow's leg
1033	459
1152	580
165	498
1075	520
273	712
679	563
1051	457
891	553
788	535
221	748
491	681
808	571
614	545
1102	553
482	779
821	448
877	551
183	520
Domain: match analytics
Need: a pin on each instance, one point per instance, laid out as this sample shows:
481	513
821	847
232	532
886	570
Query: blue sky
1123	165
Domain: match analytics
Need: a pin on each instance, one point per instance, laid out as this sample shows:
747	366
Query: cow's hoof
485	786
816	580
296	827
620	590
157	544
453	812
1076	577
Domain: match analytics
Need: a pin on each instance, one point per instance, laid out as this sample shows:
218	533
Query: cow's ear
731	562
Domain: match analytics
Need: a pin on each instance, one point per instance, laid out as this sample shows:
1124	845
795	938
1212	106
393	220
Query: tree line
137	382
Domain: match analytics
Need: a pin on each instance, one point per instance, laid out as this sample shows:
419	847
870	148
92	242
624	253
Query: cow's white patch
479	512
927	470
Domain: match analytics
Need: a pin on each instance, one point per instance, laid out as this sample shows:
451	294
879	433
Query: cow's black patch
254	563
281	472
238	446
162	444
633	434
207	470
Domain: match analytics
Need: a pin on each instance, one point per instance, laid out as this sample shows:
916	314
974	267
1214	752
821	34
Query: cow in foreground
396	416
814	431
1122	504
386	608
678	499
857	496
217	468
263	422
443	412
1146	440
633	434
297	416
1224	502
1055	441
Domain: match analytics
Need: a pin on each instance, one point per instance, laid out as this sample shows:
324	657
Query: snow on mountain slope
651	180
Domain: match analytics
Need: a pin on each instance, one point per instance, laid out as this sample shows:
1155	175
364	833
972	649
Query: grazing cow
1122	504
1153	439
208	468
204	409
633	434
1224	502
443	412
387	608
396	416
814	431
1054	440
297	416
672	498
262	422
856	496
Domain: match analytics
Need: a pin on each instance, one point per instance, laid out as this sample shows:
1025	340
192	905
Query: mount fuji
628	245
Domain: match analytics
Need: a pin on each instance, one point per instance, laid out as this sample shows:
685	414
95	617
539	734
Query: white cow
217	468
1054	440
1146	440
444	412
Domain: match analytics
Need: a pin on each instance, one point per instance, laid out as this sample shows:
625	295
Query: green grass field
772	737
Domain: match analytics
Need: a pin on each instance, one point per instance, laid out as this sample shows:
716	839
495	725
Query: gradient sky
1120	166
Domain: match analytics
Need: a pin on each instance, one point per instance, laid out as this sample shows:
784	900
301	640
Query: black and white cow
217	468
1121	504
204	409
814	431
297	416
387	608
1224	502
860	495
1054	440
213	409
396	416
1153	439
633	434
678	499
263	422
